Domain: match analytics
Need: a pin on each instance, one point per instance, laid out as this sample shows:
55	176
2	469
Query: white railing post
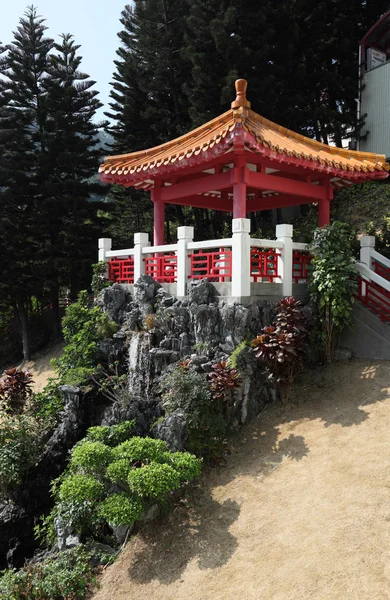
104	246
185	235
141	240
367	245
241	256
284	234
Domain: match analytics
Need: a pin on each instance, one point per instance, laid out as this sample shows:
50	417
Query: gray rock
152	513
121	532
186	343
65	536
115	299
161	358
15	535
173	430
200	292
163	298
112	349
134	319
198	360
145	290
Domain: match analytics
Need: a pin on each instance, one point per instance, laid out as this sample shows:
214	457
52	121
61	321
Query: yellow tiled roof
260	136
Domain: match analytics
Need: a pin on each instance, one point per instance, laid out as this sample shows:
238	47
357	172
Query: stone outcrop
161	330
156	331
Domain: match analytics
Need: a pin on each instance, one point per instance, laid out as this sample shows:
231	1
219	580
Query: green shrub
91	457
49	403
184	389
80	488
140	449
22	438
154	481
241	356
113	435
333	282
99	280
83	327
114	484
121	508
187	465
67	576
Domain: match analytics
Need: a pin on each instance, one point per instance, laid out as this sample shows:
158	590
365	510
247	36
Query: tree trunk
55	308
21	311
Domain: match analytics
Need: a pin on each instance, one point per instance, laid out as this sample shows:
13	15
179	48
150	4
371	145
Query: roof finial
241	85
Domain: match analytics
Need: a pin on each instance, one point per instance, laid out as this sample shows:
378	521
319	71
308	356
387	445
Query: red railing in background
381	269
264	264
375	297
162	267
301	266
121	270
215	266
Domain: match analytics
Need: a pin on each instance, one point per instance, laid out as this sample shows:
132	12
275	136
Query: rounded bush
187	465
153	481
111	435
120	509
80	488
118	470
91	456
140	449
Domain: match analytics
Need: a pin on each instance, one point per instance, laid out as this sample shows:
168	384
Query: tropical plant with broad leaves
223	381
15	389
281	347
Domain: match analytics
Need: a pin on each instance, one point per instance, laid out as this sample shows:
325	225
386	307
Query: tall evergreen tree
23	68
71	160
48	163
148	106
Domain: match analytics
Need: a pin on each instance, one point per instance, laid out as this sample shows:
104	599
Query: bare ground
40	367
300	511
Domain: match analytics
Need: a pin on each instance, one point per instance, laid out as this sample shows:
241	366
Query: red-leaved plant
281	348
223	381
15	389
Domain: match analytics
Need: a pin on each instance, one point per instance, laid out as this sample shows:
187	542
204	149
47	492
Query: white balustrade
222	260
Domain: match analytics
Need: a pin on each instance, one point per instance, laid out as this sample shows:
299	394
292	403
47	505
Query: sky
94	24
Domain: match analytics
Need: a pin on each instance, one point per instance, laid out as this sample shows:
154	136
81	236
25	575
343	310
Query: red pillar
324	208
158	216
239	189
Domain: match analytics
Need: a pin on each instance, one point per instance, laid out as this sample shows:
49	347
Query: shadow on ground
198	528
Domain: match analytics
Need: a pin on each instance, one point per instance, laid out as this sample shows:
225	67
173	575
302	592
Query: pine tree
148	106
23	67
71	161
300	59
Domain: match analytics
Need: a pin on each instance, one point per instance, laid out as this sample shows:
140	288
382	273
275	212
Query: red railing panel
301	266
121	270
214	266
381	269
162	267
264	264
375	297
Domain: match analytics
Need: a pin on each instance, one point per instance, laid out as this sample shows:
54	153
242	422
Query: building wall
375	101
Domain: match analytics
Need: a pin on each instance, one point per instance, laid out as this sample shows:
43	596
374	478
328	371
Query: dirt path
40	366
300	511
